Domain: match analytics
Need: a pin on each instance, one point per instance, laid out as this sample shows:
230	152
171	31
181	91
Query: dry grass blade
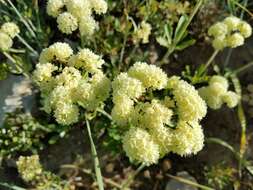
189	182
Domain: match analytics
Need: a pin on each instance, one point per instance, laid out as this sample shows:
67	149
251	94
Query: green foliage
3	71
198	76
23	133
220	176
117	30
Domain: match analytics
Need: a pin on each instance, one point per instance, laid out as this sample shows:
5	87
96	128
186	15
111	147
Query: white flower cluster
158	126
142	33
216	93
231	32
67	81
78	14
8	31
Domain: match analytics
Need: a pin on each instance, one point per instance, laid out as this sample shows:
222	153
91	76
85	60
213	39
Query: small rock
109	168
146	174
176	185
166	165
16	91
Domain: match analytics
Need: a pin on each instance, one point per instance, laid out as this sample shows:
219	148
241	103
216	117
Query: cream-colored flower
131	87
235	40
5	41
87	60
122	109
151	76
67	23
189	104
79	8
58	51
140	147
143	32
87	26
10	28
99	6
188	138
54	7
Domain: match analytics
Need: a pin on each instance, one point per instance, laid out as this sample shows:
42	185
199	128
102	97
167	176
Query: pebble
176	185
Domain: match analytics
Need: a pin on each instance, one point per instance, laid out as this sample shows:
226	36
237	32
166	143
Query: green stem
22	19
95	158
242	119
243	8
27	45
12	50
166	56
130	179
210	60
181	34
9	57
104	113
9	186
243	68
228	57
123	49
195	10
17	64
245	3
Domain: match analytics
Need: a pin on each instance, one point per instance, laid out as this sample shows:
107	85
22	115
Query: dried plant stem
210	60
130	179
189	182
243	68
89	172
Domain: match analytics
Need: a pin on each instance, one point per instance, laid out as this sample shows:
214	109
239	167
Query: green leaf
168	31
250	169
185	44
231	6
180	29
3	71
222	143
10	186
162	41
95	158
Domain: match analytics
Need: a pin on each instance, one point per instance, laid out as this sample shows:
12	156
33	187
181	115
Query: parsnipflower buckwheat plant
70	81
231	32
217	93
157	125
8	31
78	14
